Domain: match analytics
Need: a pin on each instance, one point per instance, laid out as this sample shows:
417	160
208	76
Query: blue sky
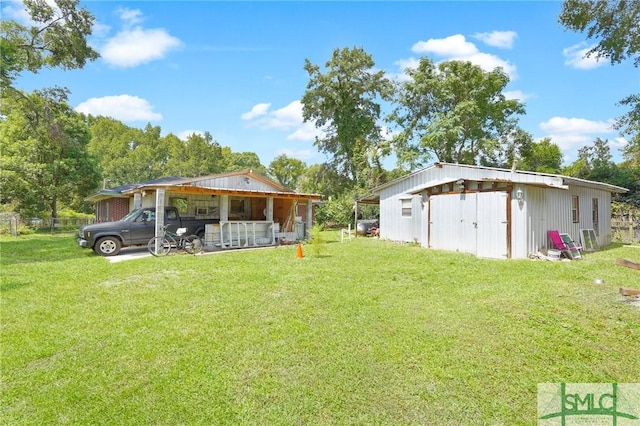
235	69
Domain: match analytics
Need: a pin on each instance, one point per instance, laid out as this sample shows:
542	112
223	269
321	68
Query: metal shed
491	212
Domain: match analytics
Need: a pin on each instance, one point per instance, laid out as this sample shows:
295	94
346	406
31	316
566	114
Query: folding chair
574	249
565	244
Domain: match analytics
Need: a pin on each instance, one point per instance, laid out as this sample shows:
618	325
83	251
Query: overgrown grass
371	332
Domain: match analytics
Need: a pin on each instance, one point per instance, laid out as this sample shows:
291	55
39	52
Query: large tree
235	161
286	170
199	155
56	37
44	156
322	179
615	23
344	102
544	156
111	144
595	163
454	111
616	26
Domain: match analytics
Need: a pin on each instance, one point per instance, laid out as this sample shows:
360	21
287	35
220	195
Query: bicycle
161	246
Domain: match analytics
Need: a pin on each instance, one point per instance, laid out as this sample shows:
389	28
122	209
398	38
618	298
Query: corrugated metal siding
449	227
241	182
546	207
492	225
536	225
396	226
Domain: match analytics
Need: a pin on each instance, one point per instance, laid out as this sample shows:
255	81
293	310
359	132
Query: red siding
112	209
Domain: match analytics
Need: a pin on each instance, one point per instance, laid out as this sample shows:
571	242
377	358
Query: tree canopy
616	24
44	156
454	111
344	103
57	37
287	171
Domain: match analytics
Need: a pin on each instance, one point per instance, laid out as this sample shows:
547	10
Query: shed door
473	223
452	222
492	225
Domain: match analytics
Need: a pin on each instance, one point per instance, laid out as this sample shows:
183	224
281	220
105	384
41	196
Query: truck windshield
131	216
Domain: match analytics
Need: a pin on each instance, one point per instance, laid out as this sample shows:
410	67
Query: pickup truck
135	229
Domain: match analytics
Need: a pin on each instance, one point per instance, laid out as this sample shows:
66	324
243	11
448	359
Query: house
490	212
243	199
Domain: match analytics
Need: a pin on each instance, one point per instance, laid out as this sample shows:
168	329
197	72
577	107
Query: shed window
594	215
575	209
406	207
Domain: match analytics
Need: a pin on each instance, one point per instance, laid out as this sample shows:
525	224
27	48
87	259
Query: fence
10	224
626	228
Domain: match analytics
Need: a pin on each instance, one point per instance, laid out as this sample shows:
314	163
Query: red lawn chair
565	244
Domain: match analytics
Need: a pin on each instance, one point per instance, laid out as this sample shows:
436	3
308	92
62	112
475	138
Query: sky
235	69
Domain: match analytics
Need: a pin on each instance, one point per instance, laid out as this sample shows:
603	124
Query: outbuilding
491	212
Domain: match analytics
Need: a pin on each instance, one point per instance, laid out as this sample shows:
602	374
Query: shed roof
455	172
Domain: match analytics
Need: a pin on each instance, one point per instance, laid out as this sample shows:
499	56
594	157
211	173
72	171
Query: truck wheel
107	246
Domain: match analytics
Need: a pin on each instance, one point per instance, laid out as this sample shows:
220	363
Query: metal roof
196	185
514	176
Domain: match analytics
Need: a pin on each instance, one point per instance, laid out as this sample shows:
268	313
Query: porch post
159	211
224	208
309	217
137	200
269	213
355	218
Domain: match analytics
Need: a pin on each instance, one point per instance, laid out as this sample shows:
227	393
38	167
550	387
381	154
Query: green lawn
370	332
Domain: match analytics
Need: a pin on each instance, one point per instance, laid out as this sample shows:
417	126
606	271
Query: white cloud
130	48
576	125
122	107
288	118
303	155
576	57
186	134
517	95
570	133
490	62
500	39
306	132
129	16
257	111
407	63
456	47
15	11
619	142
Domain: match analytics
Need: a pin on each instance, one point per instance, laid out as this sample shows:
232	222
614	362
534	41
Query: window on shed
406	207
575	208
594	215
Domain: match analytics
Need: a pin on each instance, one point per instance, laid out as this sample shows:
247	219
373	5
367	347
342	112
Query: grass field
369	332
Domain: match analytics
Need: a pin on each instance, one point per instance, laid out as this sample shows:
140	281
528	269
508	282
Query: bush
317	240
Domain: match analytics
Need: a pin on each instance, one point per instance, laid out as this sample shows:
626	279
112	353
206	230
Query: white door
492	225
473	223
452	222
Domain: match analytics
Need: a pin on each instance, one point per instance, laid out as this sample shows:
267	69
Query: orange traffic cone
300	255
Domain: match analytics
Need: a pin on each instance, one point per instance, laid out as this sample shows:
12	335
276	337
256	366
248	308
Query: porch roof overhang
104	194
507	181
203	190
369	199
